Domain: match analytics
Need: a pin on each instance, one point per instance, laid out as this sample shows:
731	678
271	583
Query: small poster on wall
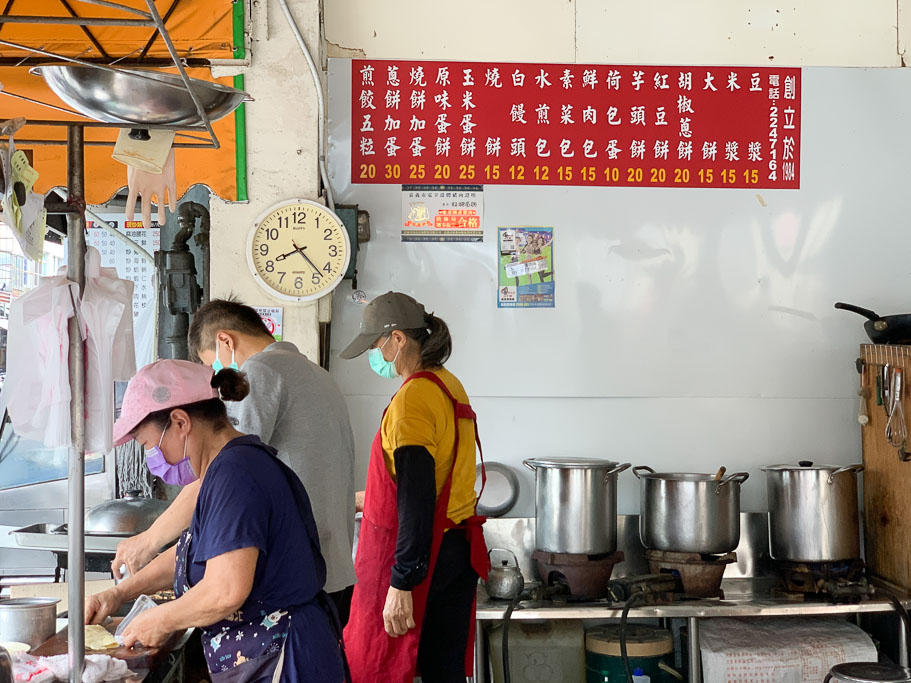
442	213
526	268
272	317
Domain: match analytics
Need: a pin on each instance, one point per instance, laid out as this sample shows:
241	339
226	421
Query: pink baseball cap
158	386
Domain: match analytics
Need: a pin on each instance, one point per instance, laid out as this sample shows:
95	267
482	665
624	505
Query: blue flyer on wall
526	272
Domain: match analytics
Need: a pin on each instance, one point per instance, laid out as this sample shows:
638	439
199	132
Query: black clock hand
282	257
301	252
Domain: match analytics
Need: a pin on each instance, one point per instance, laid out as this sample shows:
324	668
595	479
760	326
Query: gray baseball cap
387	312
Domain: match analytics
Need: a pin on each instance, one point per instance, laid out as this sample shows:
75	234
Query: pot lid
573	463
641	641
870	672
125	516
800	466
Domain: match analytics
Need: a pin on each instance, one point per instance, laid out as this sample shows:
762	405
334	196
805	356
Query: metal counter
743	604
747	587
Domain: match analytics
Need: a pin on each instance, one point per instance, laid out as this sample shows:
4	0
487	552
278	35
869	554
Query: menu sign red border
575	124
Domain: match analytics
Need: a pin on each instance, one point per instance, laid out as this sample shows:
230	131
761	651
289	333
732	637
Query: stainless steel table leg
694	653
480	654
902	643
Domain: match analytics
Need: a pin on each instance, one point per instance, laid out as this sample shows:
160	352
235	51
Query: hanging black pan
885	329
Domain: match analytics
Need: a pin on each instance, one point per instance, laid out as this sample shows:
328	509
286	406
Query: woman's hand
100	606
359	501
398	614
134	552
146	629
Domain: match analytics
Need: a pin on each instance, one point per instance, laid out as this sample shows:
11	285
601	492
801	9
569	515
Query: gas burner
584	576
698	576
842	581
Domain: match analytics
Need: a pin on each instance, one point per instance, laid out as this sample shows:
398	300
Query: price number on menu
559	174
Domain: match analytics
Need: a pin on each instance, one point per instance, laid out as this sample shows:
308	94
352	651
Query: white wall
760	32
281	124
679	430
782	413
281	157
693	328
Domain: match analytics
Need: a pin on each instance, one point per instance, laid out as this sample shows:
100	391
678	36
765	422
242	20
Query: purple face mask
178	474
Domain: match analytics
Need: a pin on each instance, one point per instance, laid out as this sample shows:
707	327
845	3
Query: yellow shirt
420	414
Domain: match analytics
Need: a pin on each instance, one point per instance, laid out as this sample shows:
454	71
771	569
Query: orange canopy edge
198	28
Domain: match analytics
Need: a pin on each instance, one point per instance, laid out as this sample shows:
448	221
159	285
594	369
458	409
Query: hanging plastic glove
147	185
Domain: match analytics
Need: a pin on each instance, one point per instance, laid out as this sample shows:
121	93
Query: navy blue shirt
247	500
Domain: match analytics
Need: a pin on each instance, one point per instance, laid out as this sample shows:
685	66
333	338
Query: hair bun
231	384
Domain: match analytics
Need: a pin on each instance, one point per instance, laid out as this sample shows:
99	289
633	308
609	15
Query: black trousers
447	621
342	601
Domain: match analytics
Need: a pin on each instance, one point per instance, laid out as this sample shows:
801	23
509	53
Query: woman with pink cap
248	571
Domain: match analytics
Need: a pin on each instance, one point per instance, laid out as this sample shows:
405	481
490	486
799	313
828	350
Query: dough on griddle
98	638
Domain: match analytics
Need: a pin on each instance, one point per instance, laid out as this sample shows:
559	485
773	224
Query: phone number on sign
545	174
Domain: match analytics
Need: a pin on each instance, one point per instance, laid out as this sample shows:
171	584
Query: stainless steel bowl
125	516
28	620
137	96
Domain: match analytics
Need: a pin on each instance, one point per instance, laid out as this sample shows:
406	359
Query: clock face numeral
299	251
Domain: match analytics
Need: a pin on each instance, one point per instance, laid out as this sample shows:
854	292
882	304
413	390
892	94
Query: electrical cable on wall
321	102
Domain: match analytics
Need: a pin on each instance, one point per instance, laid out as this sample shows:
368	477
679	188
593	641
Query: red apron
374	656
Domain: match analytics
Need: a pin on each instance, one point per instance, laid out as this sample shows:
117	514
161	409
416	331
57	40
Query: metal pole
695	655
134	73
116	5
902	643
165	36
70	21
75	271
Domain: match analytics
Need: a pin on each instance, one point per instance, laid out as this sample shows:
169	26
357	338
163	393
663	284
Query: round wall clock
298	250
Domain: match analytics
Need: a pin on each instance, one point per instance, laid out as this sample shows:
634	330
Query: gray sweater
295	407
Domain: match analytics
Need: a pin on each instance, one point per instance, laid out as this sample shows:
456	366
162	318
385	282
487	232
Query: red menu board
575	124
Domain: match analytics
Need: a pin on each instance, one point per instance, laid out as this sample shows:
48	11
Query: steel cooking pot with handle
689	512
575	504
813	514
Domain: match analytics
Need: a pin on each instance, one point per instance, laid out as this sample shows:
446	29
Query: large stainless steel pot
28	620
813	514
692	513
575	504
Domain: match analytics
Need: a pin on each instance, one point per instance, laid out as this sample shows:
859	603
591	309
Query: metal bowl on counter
28	620
689	512
125	516
137	96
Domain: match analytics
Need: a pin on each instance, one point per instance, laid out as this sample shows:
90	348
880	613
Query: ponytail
434	340
231	384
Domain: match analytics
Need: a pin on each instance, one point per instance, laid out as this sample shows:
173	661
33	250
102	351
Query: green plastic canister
650	650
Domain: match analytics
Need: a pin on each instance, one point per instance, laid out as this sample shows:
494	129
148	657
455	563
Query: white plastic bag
143	602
